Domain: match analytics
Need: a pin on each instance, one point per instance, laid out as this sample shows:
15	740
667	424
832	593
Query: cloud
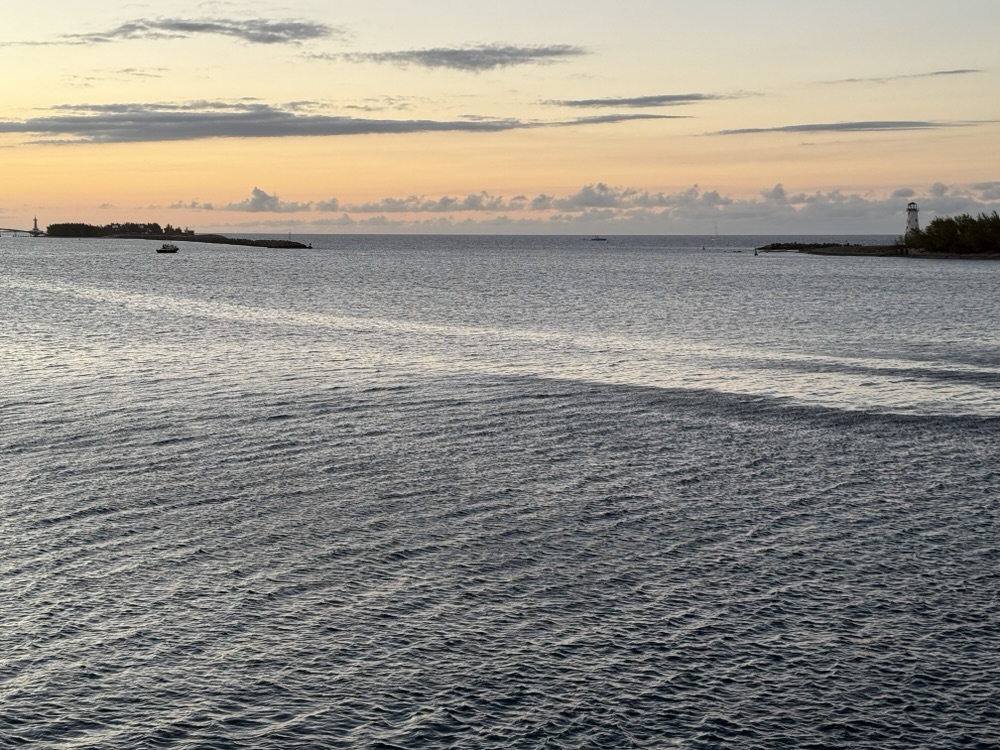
381	104
864	126
603	196
989	191
134	123
655	100
474	59
590	198
598	196
194	205
612	119
776	194
888	79
261	202
253	31
599	207
88	81
143	72
416	204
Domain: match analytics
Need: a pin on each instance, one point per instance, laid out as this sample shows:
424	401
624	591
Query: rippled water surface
497	492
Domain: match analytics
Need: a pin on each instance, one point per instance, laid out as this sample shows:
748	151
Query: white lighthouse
912	220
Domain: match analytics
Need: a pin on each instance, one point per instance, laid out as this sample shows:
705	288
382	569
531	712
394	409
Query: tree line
77	229
963	235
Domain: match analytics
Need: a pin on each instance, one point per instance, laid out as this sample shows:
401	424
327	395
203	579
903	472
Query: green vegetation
113	230
958	235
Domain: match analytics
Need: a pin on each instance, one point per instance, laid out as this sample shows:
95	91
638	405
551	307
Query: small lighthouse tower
912	220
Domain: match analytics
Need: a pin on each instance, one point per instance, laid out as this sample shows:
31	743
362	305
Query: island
168	233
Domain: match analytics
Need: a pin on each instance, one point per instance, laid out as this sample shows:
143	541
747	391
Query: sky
448	116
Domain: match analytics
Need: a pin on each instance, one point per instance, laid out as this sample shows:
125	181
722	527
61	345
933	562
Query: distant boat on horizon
595	238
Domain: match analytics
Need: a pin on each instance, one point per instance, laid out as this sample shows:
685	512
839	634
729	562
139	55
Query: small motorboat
166	247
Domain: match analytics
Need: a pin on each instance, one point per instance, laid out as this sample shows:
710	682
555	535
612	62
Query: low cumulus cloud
445	204
596	197
600	196
252	31
835	207
259	201
134	123
602	207
474	59
989	190
193	205
262	202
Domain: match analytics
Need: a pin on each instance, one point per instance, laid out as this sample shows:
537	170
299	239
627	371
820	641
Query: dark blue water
497	492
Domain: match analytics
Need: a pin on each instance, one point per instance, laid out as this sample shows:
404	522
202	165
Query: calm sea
493	492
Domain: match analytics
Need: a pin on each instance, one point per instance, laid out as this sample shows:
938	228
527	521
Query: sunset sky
644	116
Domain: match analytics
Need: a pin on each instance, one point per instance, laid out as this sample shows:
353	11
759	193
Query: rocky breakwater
829	248
216	239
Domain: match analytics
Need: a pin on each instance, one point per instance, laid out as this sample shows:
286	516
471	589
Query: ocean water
493	492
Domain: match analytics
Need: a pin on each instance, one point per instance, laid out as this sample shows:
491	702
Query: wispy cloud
133	123
612	119
142	72
252	31
864	126
100	76
655	100
474	59
906	76
381	104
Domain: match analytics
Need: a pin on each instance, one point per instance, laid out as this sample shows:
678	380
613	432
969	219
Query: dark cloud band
254	31
470	59
125	123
